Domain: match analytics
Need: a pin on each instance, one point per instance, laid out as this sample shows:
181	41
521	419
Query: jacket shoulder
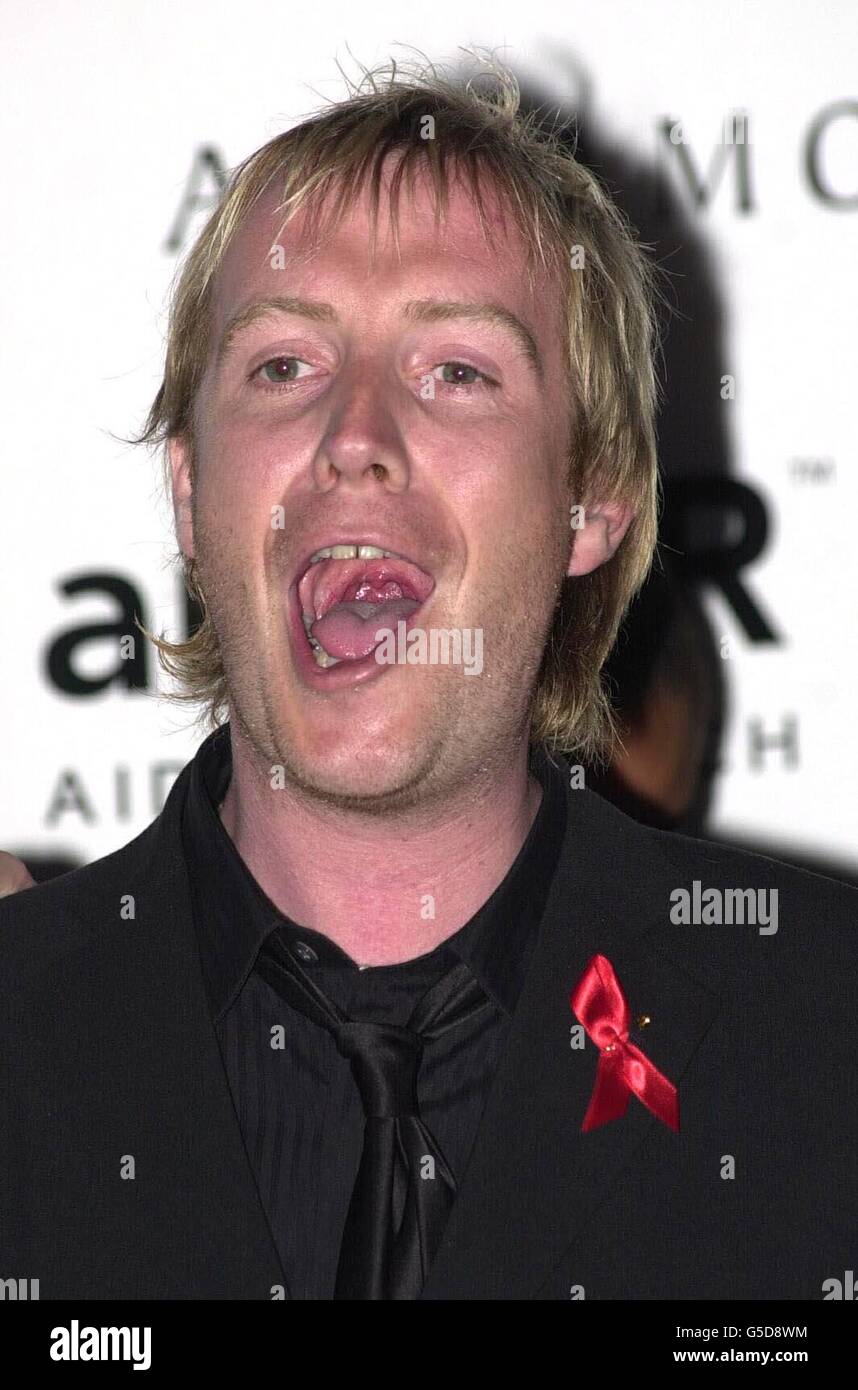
75	910
678	859
782	933
725	866
728	914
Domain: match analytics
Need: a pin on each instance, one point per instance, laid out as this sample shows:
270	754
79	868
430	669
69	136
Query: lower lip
345	673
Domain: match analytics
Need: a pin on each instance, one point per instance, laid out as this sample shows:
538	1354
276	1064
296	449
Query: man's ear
180	456
596	533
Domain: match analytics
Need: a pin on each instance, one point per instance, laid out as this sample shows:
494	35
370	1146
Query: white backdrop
110	113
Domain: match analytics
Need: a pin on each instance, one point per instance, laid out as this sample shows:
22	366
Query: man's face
370	422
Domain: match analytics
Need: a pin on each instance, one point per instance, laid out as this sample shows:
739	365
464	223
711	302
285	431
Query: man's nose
364	436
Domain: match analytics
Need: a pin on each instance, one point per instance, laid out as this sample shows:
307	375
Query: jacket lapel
534	1182
201	1215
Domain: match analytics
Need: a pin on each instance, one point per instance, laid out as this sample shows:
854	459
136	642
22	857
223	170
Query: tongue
348	631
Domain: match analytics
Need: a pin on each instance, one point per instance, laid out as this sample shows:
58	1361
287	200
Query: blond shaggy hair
570	226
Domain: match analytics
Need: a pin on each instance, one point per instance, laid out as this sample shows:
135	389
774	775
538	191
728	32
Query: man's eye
283	370
462	374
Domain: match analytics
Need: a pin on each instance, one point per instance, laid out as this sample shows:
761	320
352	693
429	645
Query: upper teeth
352	552
340	552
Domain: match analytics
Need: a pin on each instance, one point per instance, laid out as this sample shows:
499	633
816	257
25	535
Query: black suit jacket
109	1060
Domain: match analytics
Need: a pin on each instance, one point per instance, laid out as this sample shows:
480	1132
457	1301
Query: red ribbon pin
599	1004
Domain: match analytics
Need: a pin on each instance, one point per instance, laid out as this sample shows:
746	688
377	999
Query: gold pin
643	1020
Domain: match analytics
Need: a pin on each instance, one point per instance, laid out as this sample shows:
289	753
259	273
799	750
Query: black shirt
297	1103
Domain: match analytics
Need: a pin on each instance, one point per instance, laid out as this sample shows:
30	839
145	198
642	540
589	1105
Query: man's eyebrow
440	310
416	310
264	308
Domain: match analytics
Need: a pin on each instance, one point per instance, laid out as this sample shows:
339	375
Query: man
386	1004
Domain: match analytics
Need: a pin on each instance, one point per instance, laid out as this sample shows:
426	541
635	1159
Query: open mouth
348	593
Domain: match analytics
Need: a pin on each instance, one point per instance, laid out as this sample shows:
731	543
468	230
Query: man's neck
383	893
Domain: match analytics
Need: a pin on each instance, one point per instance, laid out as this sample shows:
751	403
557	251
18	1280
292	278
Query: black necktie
404	1188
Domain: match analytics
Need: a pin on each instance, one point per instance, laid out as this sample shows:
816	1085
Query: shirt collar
233	916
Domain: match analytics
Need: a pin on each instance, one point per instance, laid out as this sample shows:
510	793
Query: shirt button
305	952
